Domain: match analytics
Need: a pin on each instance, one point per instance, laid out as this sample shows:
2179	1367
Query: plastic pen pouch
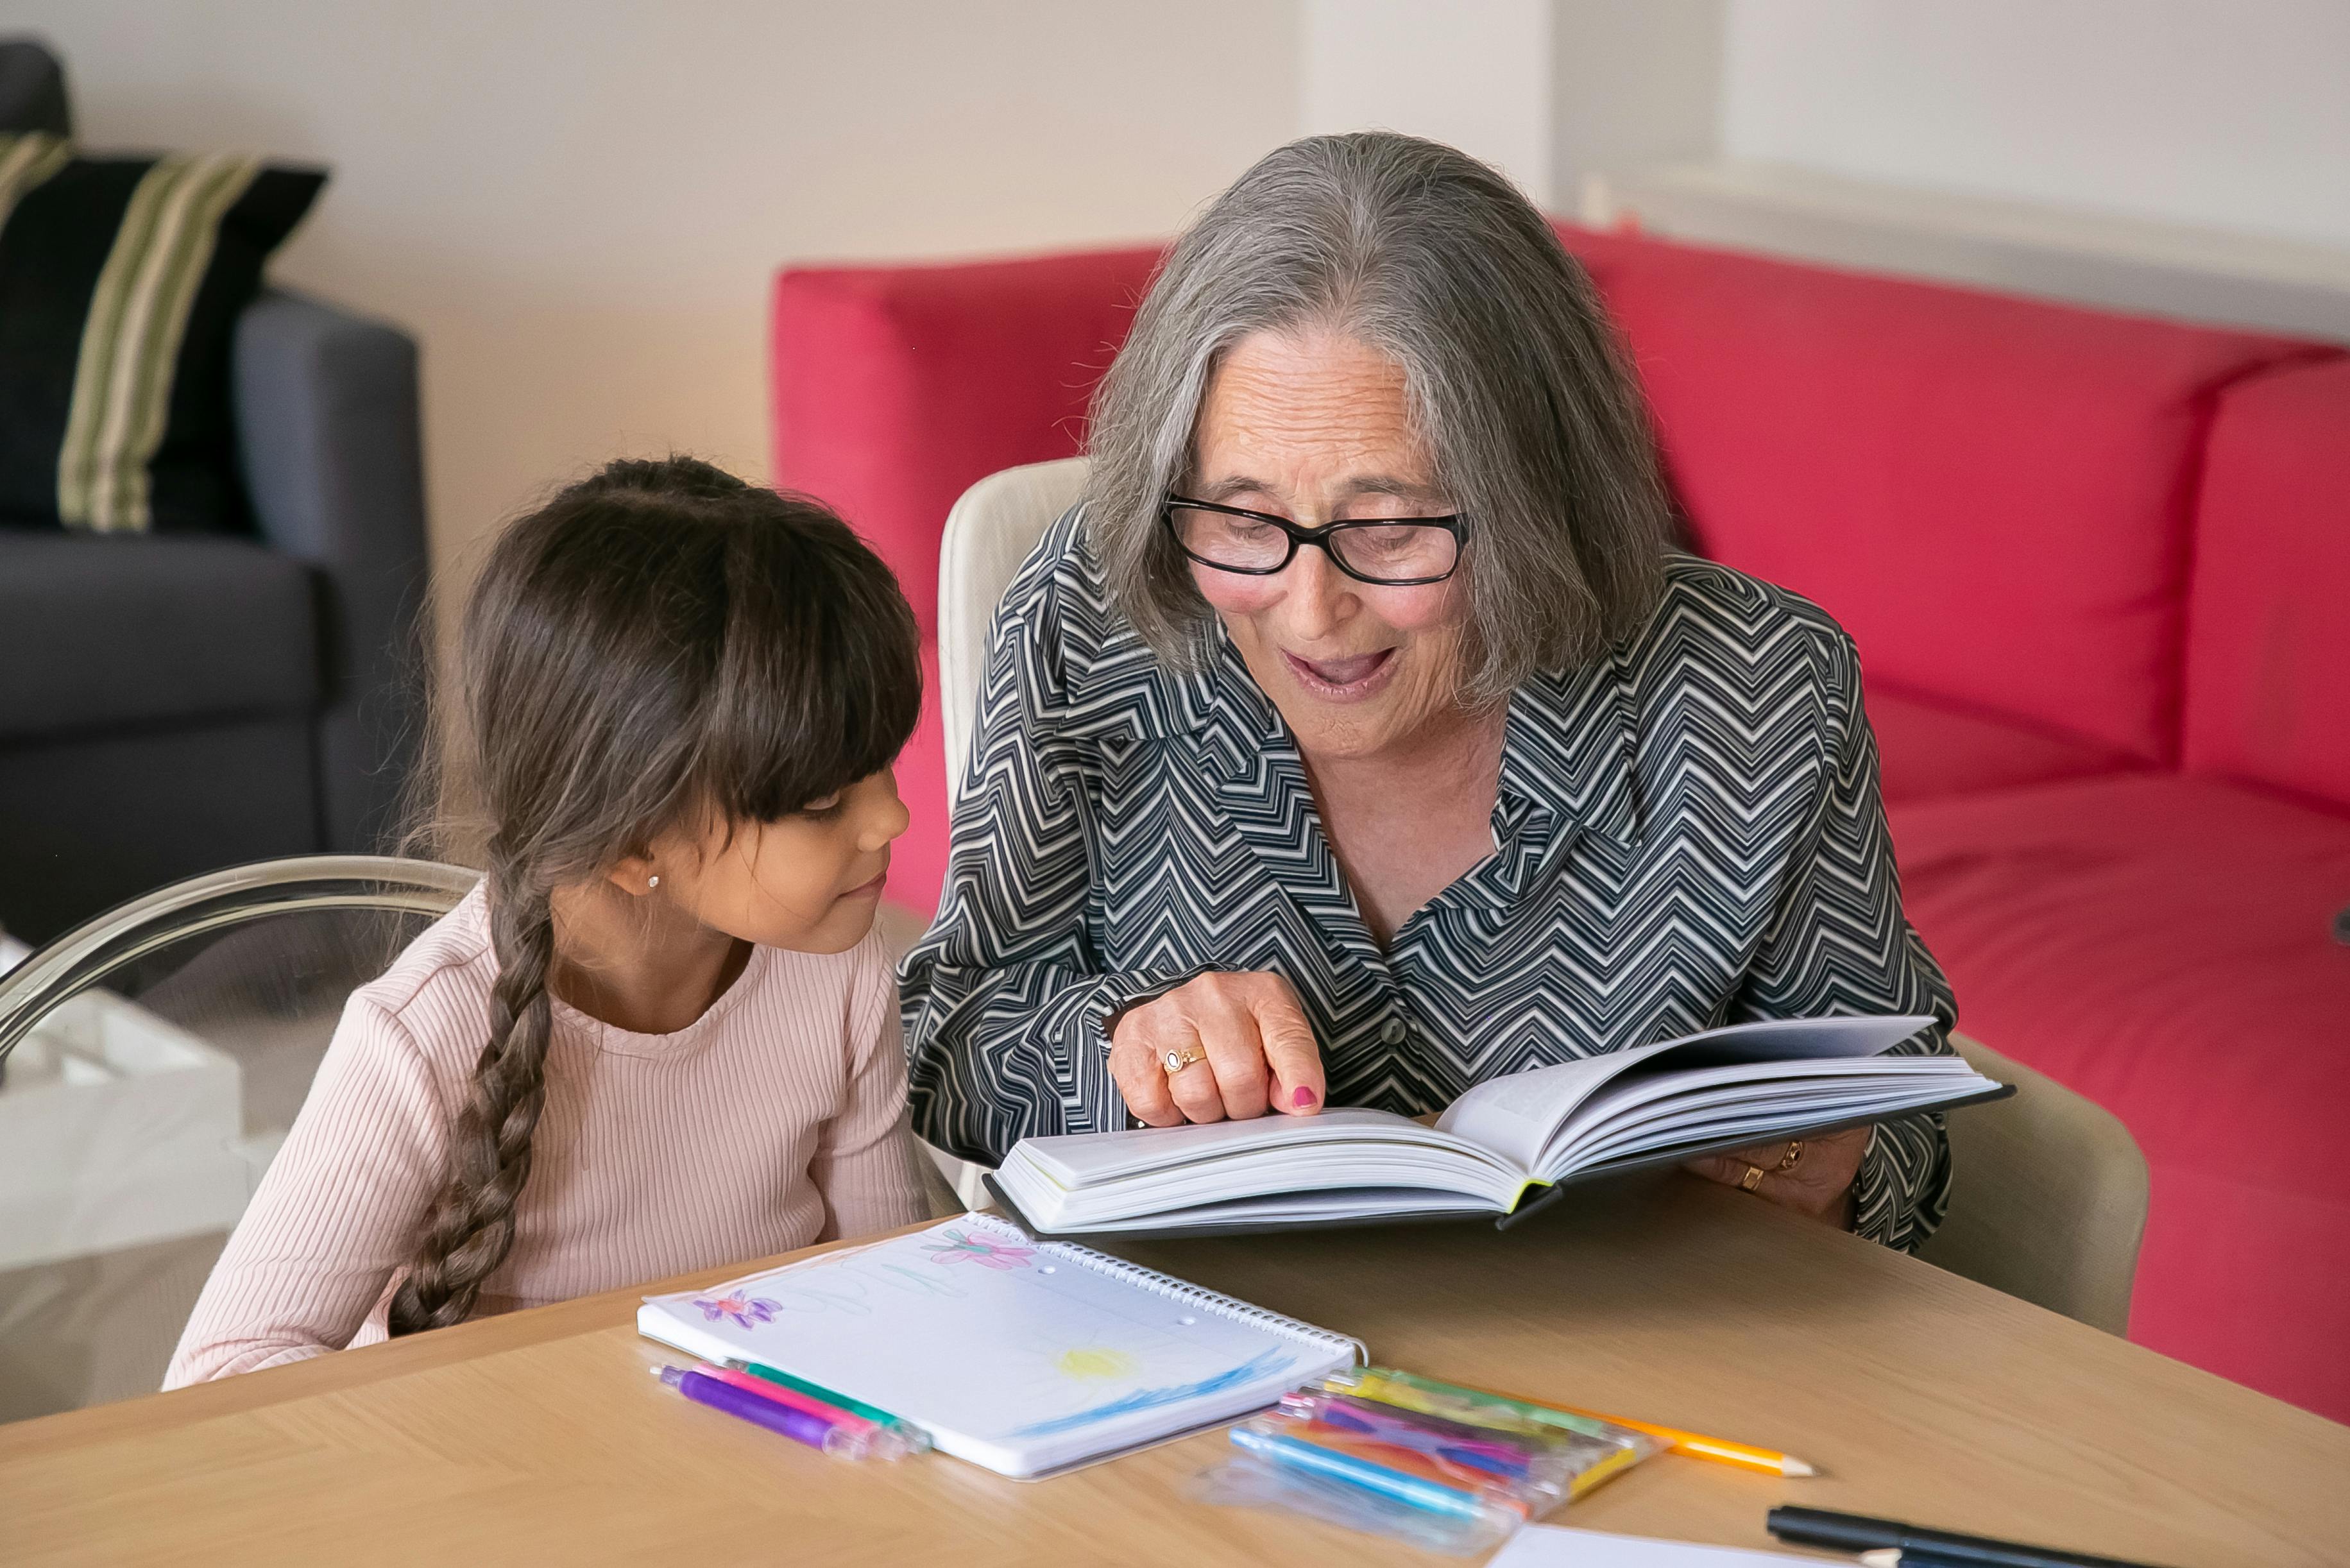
1427	1461
1600	1451
1533	1464
1278	1468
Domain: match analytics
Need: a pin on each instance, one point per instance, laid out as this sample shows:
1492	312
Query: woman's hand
1819	1183
1253	1046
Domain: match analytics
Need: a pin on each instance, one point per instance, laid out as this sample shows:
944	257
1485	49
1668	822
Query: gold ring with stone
1753	1179
1176	1061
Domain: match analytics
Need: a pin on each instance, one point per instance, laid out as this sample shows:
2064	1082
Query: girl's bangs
820	682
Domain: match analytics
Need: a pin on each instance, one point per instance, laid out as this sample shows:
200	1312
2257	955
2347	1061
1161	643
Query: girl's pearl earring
652	881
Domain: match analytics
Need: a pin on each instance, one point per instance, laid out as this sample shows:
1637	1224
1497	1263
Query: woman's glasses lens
1381	552
1220	539
1396	552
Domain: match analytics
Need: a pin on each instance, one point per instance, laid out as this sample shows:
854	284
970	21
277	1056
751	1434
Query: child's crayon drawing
744	1310
960	1246
852	1286
994	1336
1262	1365
1096	1363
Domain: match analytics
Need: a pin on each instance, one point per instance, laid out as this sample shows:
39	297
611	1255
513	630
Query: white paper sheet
1556	1546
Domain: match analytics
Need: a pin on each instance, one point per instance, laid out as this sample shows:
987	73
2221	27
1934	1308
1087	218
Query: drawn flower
987	1254
742	1309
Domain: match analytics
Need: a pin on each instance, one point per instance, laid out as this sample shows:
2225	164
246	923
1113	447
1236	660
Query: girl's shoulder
437	993
442	979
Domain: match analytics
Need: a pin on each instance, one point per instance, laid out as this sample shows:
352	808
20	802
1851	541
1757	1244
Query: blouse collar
1568	753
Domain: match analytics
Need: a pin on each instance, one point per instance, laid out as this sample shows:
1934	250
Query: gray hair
1536	427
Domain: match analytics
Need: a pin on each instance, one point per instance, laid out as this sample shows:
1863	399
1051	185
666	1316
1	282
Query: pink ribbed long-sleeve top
776	1119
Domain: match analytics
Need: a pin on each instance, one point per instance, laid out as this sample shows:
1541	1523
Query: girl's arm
335	1216
864	1163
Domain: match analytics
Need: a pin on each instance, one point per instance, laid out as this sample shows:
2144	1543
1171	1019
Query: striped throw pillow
120	282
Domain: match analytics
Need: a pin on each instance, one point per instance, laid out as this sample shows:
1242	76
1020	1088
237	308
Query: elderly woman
1359	737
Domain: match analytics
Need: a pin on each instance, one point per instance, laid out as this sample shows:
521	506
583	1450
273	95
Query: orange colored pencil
1695	1444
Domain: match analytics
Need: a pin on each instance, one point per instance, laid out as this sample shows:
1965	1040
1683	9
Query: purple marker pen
839	1441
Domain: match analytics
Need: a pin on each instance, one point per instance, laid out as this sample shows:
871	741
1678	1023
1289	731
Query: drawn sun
1096	1363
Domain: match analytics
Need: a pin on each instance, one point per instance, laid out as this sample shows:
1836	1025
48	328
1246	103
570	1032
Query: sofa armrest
327	431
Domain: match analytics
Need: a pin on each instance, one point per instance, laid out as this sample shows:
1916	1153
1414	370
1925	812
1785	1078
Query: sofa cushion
2163	944
1927	748
95	819
96	633
2267	620
120	282
917	861
1990	493
898	388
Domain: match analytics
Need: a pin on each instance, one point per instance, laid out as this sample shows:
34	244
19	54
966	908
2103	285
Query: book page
1641	1099
1081	1181
1309	1206
1086	1159
1516	1116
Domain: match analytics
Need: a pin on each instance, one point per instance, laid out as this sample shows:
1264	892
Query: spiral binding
1184	1290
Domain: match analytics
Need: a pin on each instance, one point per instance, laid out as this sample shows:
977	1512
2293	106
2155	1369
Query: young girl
662	1034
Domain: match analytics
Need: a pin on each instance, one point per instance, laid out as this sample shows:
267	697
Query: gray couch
170	705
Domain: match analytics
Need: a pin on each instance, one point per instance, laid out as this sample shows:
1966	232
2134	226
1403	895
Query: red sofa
2098	568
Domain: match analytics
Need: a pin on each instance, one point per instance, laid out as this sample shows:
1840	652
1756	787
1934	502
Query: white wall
2230	113
577	206
1636	83
1474	73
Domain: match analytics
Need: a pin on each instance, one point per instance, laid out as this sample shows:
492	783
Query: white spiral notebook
1024	1357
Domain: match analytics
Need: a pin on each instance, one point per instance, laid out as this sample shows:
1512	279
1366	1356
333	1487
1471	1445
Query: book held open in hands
1505	1147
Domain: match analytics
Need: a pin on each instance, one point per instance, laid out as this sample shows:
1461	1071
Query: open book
1527	1133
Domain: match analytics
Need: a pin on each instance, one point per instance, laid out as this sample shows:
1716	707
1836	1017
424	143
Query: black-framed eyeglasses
1389	552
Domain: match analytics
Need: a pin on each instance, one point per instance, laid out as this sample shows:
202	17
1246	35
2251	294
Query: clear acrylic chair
151	1061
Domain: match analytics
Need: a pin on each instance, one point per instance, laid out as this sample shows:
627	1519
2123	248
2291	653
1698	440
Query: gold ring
1176	1061
1753	1179
1787	1160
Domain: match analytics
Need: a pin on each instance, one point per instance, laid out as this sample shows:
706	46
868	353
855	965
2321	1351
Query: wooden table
540	1438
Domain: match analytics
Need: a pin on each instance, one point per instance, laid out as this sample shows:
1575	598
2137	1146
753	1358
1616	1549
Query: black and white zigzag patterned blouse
1687	833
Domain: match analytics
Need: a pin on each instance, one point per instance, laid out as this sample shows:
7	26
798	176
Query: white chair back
988	535
2050	1197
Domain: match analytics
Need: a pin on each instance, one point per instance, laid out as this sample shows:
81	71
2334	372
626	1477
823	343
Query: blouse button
1391	1031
